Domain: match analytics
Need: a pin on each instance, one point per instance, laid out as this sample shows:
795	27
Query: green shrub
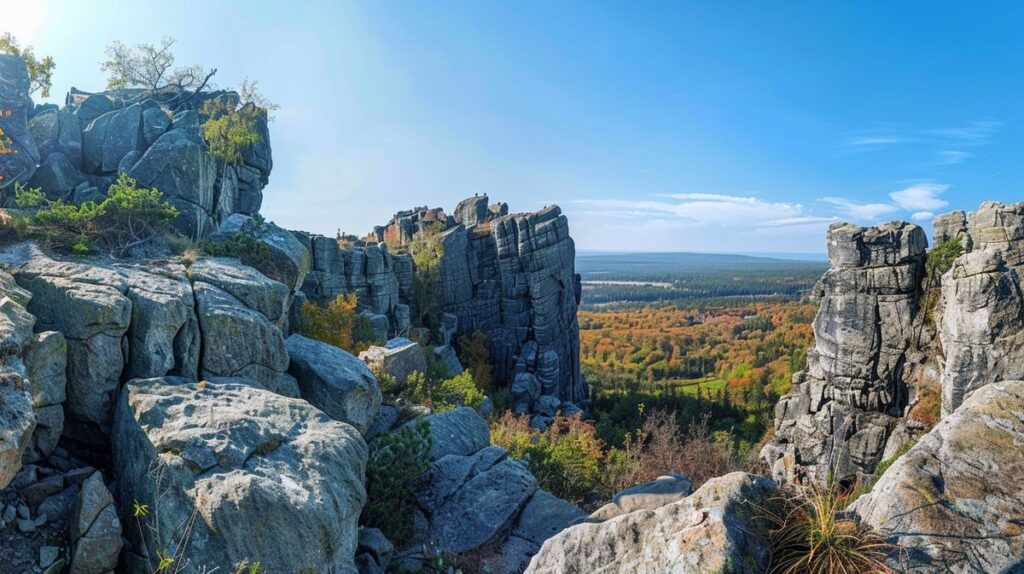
244	245
443	394
940	258
128	217
426	251
567	458
473	353
230	127
395	460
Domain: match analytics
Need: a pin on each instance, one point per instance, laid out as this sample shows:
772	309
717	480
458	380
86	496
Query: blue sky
711	126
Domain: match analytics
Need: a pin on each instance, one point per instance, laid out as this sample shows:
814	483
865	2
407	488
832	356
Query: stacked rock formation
509	276
75	152
846	402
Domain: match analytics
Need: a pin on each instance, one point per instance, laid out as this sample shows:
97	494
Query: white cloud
923	216
701	209
862	211
921	197
975	133
953	156
877	140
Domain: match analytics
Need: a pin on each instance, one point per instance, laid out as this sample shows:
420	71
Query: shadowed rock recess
163	411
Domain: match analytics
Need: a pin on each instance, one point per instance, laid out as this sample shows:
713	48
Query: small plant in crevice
337	322
809	532
244	245
395	460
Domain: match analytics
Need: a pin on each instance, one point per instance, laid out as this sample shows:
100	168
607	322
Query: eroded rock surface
954	500
254	473
846	402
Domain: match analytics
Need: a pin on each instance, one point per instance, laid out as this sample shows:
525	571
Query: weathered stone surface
261	472
334	381
709	531
19	162
58	131
645	496
95	529
999	226
982	329
287	260
544	516
110	137
843	406
56	176
87	304
163	338
240	342
45	358
399	358
17	420
460	432
177	164
257	291
948	226
953	502
471	211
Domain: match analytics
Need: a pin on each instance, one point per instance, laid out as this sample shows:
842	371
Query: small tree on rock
40	70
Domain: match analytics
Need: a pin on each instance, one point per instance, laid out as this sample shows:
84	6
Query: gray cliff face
510	276
845	403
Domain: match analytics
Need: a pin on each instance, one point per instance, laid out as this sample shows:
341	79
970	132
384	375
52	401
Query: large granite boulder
57	177
334	381
177	164
847	400
460	432
239	341
398	358
18	152
58	132
709	531
110	137
982	328
163	337
257	291
543	516
999	226
240	474
471	211
953	502
645	496
286	259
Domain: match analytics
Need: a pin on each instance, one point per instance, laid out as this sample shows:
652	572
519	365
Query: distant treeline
676	277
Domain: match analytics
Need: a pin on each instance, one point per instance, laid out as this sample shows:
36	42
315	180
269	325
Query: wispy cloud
921	197
952	156
944	142
861	211
700	209
923	216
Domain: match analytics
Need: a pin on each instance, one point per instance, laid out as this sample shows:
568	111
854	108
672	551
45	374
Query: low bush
426	250
244	245
475	357
927	410
940	258
230	127
395	460
659	446
127	218
809	532
444	394
566	458
337	323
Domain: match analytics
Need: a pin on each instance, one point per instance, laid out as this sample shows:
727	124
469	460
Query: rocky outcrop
18	152
284	258
232	472
645	496
509	276
709	531
45	358
846	402
953	501
334	381
399	358
459	432
17	420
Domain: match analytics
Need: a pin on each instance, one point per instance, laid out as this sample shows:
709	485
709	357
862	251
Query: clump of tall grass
810	533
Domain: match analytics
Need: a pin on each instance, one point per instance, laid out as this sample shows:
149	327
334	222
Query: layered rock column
845	403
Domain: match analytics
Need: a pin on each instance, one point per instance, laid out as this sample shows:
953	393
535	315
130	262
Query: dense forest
637	279
721	365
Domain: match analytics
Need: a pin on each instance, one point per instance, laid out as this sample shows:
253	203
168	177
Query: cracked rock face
845	404
708	531
258	476
954	500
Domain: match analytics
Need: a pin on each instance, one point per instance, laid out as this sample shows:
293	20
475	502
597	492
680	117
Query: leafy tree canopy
40	70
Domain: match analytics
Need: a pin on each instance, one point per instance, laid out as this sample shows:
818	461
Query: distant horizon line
791	255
